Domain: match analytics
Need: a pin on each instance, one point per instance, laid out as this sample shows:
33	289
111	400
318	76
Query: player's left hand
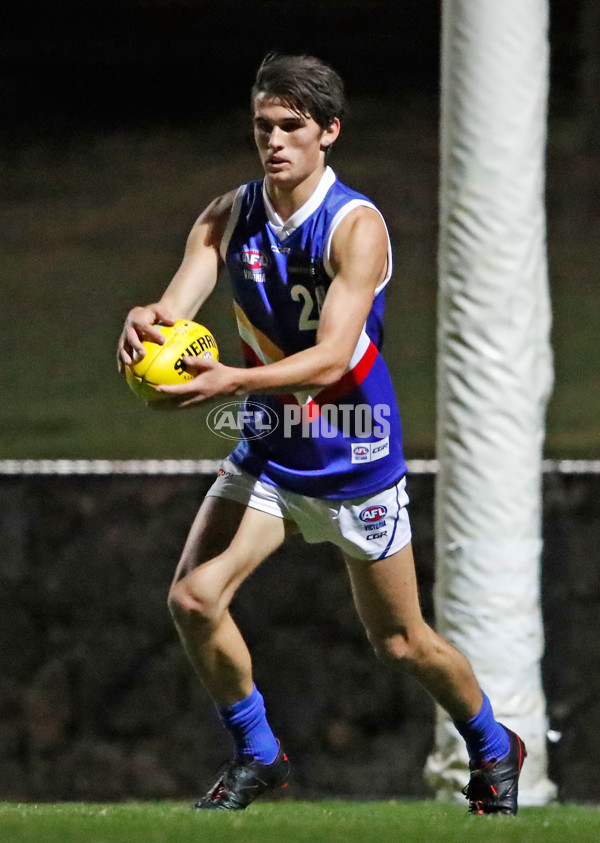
210	380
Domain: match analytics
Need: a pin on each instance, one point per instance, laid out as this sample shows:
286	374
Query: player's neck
286	199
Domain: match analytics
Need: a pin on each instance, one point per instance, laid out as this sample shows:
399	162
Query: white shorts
367	528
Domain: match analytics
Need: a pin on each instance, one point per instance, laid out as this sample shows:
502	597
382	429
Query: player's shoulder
361	219
212	222
219	208
361	235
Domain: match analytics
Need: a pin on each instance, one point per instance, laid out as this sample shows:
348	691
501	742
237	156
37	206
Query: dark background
132	62
97	700
126	62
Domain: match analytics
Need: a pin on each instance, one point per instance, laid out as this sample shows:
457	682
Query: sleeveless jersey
343	441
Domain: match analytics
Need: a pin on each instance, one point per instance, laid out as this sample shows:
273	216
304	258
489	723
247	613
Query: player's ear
330	134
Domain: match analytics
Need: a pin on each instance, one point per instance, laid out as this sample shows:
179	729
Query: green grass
287	822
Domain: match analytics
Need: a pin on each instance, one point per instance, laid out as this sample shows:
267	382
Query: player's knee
398	649
191	604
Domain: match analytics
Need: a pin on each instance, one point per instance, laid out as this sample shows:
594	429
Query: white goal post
494	369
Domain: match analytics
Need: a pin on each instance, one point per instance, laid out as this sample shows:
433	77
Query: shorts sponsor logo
229	420
373	513
377	535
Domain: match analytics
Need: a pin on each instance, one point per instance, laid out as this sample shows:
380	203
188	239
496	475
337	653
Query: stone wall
97	701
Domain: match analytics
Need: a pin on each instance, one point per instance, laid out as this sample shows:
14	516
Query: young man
308	260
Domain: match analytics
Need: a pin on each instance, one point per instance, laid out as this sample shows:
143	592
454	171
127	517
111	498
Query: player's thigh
385	593
226	542
213	528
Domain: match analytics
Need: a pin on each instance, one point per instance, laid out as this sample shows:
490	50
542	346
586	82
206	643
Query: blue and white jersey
343	441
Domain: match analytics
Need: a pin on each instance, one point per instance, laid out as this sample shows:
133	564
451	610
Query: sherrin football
162	364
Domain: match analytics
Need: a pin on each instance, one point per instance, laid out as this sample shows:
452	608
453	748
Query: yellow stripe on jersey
260	343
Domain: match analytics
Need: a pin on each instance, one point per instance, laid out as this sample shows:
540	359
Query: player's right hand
138	327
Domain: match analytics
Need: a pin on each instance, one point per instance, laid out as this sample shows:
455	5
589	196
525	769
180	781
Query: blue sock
246	721
486	739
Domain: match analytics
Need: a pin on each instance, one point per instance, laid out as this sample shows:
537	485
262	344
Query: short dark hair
305	84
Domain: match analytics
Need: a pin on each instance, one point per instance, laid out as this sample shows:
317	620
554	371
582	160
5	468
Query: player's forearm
184	297
313	368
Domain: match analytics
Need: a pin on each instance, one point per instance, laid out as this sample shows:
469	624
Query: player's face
291	145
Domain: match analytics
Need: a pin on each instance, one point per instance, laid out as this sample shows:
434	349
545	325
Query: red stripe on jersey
345	385
330	394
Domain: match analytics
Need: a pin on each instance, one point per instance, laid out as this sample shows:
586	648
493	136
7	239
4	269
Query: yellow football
162	364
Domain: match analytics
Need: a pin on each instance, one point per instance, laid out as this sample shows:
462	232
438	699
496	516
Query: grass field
288	822
95	224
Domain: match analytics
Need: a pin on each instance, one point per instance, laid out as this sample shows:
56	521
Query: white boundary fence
14	468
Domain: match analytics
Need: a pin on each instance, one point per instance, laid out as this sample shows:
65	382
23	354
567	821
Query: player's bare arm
190	287
359	260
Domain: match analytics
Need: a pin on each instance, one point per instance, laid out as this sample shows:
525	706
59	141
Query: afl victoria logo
373	513
255	260
361	450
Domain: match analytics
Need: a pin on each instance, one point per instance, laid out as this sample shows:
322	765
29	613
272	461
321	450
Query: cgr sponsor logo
373	513
377	535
